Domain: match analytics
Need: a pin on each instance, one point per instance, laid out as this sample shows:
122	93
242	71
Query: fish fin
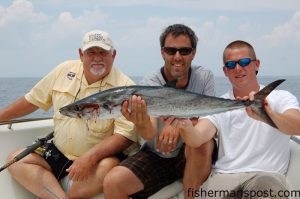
263	93
258	105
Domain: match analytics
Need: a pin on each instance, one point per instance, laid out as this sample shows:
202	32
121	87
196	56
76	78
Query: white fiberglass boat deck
22	134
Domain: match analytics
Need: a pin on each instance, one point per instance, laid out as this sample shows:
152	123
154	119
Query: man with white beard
83	150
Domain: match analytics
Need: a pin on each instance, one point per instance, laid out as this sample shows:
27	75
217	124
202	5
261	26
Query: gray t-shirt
201	81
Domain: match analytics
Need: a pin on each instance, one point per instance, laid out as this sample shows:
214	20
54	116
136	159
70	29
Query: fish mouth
67	111
64	112
68	114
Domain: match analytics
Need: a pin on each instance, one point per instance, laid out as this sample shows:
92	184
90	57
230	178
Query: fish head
81	110
103	105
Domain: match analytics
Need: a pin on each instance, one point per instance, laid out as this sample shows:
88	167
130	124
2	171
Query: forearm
287	122
148	130
17	109
108	147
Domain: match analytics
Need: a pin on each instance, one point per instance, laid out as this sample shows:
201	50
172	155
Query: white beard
98	70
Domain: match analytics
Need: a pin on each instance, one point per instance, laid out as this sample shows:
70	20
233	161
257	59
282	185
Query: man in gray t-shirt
163	157
200	80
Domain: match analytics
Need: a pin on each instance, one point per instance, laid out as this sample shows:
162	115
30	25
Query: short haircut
240	44
176	30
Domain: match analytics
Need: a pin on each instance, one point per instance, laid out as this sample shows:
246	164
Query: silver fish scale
188	105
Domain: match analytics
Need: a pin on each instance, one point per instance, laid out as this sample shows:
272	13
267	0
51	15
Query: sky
35	36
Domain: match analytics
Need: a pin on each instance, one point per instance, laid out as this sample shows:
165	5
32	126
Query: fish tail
258	105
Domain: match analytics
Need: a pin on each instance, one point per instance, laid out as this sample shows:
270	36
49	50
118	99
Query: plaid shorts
154	171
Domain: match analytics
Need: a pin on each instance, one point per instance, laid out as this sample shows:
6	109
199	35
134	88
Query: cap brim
99	45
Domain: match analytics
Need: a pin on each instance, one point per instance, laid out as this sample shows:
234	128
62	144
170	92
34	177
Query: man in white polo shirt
84	150
253	156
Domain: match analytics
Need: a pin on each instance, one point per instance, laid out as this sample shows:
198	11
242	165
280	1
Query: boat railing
11	122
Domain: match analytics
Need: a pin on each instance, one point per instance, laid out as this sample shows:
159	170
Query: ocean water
13	88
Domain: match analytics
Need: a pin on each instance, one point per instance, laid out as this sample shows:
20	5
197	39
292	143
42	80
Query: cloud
209	5
143	34
19	11
56	27
245	27
66	24
65	30
38	27
223	20
287	33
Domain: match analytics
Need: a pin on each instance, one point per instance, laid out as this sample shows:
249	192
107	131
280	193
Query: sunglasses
182	51
242	62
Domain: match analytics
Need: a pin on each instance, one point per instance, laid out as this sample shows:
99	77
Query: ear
225	70
80	53
162	53
114	53
257	64
193	53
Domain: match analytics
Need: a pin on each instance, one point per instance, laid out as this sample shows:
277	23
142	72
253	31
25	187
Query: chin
98	73
177	75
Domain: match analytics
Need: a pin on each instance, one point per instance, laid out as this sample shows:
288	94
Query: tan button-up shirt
73	137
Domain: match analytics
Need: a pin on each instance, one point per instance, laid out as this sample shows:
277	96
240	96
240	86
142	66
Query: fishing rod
39	142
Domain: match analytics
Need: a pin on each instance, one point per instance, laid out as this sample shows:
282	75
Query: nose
238	67
177	55
98	57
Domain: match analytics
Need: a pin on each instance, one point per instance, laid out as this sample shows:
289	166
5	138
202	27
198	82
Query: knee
261	179
13	154
268	181
204	151
104	167
111	180
107	164
10	157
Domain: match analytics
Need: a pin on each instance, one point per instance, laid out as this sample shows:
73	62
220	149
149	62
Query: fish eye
76	108
105	106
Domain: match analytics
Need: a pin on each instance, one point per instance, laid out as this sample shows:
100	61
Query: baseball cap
97	38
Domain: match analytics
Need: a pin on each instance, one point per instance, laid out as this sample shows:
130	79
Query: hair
237	45
176	30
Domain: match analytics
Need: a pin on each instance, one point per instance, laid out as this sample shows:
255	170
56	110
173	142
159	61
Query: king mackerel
162	101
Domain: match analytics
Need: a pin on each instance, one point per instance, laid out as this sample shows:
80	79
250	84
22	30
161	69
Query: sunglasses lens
244	62
185	51
230	64
170	50
182	51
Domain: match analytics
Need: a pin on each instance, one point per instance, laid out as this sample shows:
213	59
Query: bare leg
120	183
94	184
34	173
197	168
